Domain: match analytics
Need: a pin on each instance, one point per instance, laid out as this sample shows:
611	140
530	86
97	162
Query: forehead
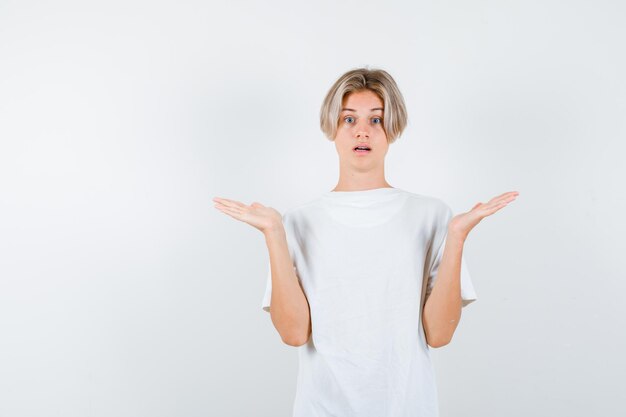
363	100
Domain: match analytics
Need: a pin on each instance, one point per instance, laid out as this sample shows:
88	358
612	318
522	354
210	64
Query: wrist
274	231
456	236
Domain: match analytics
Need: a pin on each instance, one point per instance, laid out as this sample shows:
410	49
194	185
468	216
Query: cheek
340	142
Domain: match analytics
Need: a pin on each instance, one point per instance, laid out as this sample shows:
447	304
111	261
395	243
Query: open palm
256	214
463	223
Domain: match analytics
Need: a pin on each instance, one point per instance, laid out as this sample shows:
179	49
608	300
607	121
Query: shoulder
434	205
299	211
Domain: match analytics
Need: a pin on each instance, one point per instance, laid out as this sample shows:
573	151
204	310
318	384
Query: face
361	124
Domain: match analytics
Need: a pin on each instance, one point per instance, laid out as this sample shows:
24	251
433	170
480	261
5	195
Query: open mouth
362	149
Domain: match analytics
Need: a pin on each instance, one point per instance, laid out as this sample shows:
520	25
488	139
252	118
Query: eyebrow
375	108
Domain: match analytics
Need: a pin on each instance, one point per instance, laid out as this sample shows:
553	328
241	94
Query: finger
227	201
497	199
234	213
237	209
504	197
230	203
219	206
509	193
227	205
489	211
510	197
499	196
491	207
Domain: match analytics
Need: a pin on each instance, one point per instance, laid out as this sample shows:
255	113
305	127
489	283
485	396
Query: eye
377	120
348	119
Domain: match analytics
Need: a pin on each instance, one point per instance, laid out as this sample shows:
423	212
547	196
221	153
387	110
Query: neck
357	181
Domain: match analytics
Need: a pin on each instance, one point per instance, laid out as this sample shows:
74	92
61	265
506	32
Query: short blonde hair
359	79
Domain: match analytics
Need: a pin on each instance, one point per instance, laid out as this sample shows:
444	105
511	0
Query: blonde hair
359	79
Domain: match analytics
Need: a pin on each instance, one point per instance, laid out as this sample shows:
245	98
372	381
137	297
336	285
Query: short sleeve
468	294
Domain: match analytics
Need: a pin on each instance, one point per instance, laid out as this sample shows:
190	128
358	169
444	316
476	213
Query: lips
361	150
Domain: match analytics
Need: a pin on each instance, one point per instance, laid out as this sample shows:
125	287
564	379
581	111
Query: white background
124	292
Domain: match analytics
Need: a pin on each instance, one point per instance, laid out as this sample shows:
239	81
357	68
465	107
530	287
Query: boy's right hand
265	219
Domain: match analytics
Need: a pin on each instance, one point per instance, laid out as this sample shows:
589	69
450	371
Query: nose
362	131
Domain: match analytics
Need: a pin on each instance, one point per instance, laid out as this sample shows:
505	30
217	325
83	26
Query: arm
442	311
289	308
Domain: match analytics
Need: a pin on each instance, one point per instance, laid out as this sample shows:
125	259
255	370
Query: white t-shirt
367	261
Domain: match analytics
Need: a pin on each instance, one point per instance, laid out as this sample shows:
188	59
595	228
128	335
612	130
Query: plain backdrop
124	292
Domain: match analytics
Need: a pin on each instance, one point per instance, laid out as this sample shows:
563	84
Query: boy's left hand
463	223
